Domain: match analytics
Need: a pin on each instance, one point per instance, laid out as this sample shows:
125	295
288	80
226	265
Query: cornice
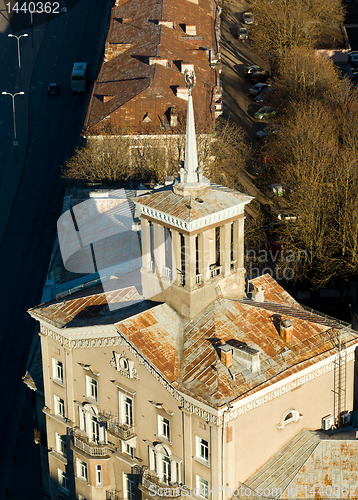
190	404
190	226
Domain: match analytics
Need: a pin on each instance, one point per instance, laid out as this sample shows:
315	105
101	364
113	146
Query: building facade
185	383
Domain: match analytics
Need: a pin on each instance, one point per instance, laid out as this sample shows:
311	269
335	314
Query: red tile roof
129	85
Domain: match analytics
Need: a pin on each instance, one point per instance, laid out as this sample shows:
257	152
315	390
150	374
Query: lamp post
18	45
13	113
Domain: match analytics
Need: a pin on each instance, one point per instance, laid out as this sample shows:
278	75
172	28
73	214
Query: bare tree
286	24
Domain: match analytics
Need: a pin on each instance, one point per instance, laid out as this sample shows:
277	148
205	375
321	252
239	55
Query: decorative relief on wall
124	365
192	408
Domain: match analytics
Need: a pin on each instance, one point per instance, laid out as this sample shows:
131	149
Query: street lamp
18	45
13	113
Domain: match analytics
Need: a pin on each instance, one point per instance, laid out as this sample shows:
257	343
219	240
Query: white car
248	18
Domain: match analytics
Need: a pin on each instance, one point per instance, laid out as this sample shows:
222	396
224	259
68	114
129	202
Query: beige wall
250	439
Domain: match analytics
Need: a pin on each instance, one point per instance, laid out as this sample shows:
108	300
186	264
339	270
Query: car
252	69
248	18
264	95
242	34
265	113
53	89
257	89
264	133
285	215
353	59
259	76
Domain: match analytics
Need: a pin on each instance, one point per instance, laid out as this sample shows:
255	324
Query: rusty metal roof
137	33
189	356
311	465
188	208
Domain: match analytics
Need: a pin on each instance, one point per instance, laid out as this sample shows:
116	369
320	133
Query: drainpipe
229	407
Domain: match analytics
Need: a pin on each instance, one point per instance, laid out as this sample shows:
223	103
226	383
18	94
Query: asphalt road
48	131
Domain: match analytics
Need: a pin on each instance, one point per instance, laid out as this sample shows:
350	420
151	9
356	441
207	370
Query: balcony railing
182	279
113	495
84	444
167	272
199	279
215	271
161	489
123	431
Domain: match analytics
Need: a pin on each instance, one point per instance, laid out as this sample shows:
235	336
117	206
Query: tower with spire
192	235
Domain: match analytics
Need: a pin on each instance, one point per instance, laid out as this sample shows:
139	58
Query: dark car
257	89
53	89
259	76
264	95
248	70
353	59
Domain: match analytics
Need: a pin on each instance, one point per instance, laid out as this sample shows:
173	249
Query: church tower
192	236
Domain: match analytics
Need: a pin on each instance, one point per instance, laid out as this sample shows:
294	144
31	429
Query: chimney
286	330
190	29
258	294
158	60
168	24
246	356
226	355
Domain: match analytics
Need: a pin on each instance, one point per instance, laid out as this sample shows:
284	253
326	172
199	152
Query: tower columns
204	255
176	260
145	235
190	261
225	240
159	247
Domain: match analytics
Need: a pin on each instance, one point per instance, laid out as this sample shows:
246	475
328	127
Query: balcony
113	495
123	431
84	444
215	271
167	272
155	485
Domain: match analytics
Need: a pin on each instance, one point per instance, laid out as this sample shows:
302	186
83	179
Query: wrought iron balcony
83	443
153	483
113	495
123	431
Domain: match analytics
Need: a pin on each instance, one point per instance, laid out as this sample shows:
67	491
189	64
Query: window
203	487
167	470
59	406
128	487
91	388
57	370
98	475
129	449
94	430
82	470
62	480
128	411
202	449
288	417
61	445
164	427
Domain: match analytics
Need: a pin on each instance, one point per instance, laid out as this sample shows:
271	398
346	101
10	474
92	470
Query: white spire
191	156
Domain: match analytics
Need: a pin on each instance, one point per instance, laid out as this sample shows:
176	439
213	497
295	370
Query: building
186	381
149	46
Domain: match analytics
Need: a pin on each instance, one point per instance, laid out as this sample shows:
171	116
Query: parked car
242	34
257	89
259	76
285	215
251	69
264	133
265	113
53	89
353	59
248	18
263	96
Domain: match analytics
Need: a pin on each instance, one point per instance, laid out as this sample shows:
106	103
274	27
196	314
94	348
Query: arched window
289	416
